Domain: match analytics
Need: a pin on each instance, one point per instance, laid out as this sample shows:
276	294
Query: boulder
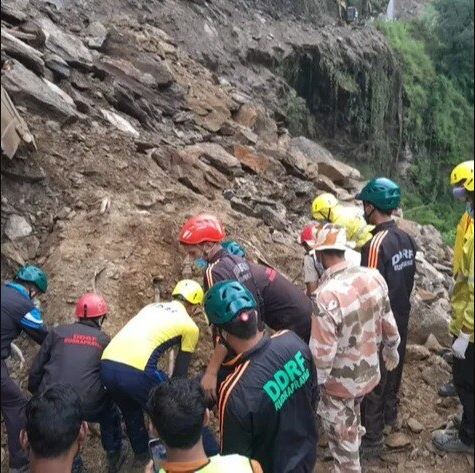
325	184
417	353
295	162
257	163
255	117
426	296
119	122
125	72
28	56
17	227
271	217
433	344
26	88
216	156
340	173
59	66
427	320
13	12
414	425
97	34
65	45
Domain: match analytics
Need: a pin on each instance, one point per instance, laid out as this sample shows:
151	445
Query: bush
436	57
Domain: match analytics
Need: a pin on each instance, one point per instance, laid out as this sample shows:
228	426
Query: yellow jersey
155	329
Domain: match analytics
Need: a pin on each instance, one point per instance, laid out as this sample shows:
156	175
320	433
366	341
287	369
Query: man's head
331	245
462	182
380	198
92	306
201	237
190	294
33	278
231	307
55	429
322	207
177	409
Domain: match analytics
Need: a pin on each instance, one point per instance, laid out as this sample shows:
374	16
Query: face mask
459	193
201	264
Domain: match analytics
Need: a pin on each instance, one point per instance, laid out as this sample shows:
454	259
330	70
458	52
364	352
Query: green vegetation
436	56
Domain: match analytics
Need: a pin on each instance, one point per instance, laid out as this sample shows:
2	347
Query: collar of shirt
20	289
330	272
242	357
218	256
383	226
184	467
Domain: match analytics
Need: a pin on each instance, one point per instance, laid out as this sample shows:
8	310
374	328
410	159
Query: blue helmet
234	248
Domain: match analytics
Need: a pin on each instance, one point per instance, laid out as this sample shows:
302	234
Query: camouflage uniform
353	318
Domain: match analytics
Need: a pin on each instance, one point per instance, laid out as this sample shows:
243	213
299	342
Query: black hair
244	326
335	253
177	410
53	421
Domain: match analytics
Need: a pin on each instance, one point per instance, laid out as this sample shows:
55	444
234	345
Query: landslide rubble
135	132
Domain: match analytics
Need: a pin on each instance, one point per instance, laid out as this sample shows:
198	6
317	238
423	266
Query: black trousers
380	406
463	381
13	403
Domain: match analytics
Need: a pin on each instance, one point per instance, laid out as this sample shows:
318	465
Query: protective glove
391	358
460	345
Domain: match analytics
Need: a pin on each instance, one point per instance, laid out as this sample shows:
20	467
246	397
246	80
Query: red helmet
200	229
309	234
90	306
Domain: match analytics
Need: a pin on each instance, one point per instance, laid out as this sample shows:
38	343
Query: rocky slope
138	126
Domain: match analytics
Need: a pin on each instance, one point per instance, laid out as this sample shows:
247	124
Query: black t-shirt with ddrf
267	405
282	305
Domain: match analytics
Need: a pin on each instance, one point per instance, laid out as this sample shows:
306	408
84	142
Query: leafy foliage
436	55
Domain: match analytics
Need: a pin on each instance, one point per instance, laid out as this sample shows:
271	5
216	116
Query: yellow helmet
189	290
463	173
322	205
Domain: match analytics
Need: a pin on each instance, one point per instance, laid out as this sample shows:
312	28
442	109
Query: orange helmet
201	229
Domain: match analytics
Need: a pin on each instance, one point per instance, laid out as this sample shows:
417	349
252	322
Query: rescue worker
281	304
465	229
312	269
327	209
393	252
178	413
129	363
19	314
353	319
234	248
266	404
460	439
71	354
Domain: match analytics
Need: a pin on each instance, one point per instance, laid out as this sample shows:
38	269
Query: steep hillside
147	112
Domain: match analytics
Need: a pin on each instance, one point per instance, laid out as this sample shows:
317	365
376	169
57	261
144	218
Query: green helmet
34	275
234	248
383	193
226	300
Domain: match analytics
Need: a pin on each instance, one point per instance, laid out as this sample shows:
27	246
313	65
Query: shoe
22	469
369	450
449	441
115	460
447	390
